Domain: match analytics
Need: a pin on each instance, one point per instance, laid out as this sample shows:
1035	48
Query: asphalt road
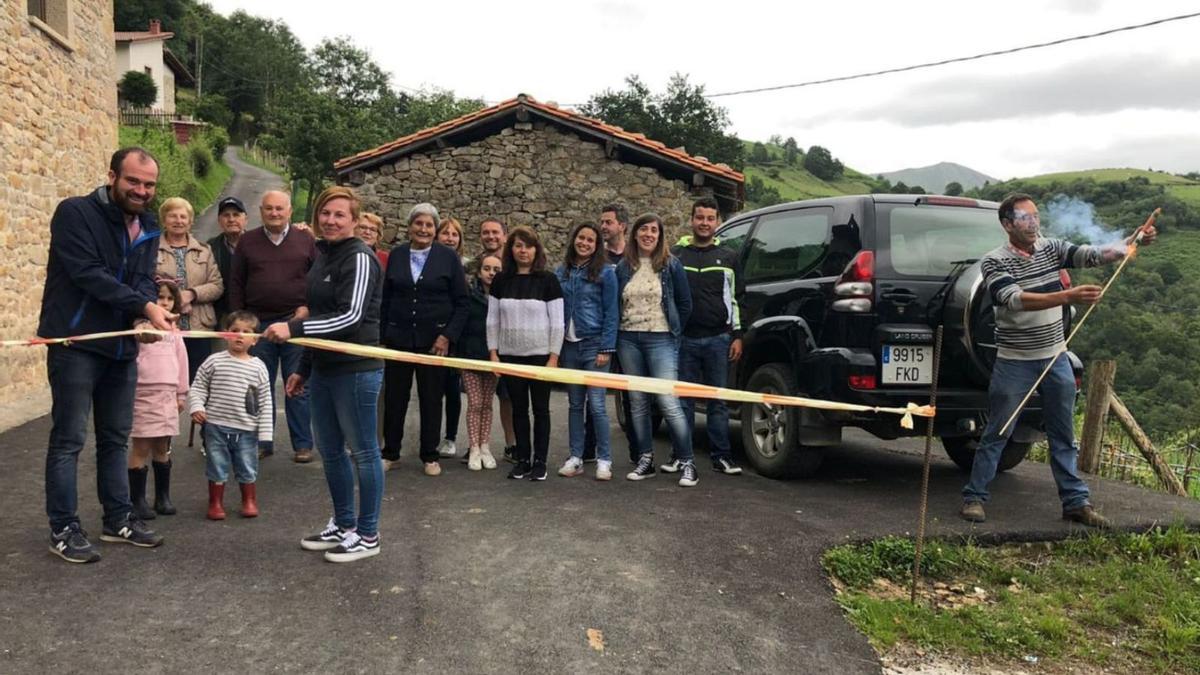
483	574
248	184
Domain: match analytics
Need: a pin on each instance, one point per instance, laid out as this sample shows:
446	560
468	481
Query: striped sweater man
1023	334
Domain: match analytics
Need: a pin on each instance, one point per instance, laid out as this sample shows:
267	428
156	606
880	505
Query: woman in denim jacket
655	304
590	311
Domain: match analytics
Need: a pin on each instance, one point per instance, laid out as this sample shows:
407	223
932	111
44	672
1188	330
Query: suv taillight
856	286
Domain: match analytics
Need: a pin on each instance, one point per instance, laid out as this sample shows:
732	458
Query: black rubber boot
162	488
137	493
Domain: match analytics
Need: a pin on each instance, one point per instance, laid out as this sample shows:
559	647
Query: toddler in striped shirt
231	397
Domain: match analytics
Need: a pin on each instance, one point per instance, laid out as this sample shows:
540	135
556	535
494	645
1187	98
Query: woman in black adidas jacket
345	289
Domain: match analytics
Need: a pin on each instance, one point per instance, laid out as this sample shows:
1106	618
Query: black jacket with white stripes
345	288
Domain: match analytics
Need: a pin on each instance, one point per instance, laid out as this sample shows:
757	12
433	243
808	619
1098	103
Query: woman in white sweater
525	326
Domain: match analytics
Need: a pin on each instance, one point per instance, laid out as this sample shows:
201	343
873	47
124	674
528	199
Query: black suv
842	298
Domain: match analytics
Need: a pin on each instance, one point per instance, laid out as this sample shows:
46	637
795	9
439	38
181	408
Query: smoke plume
1070	218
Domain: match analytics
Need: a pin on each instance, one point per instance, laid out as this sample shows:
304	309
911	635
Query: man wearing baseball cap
231	216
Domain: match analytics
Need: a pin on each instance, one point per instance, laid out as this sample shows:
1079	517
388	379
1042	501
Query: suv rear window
928	240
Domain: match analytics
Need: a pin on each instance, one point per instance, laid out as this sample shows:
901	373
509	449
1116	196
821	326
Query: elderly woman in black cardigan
425	304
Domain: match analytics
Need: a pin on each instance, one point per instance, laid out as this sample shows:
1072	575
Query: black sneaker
538	472
72	545
521	470
353	547
644	468
324	540
132	531
673	466
688	477
510	454
726	466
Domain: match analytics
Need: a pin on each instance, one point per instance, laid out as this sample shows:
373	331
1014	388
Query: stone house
58	128
531	163
146	52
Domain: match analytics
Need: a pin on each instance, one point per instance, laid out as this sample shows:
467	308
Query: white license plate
907	364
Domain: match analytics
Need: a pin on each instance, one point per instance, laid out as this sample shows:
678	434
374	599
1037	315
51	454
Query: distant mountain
935	178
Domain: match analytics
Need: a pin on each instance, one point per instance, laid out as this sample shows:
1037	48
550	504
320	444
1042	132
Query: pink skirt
155	412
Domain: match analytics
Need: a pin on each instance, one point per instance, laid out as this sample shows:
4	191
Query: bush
137	89
201	158
214	109
217	138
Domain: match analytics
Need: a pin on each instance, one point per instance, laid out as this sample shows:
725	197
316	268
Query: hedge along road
247	184
483	574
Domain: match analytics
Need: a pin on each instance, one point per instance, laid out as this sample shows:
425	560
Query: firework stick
1129	253
648	385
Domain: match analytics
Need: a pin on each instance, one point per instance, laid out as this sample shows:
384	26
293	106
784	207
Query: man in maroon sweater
268	279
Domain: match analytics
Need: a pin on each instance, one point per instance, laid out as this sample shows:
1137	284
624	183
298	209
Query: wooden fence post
1142	441
1099	391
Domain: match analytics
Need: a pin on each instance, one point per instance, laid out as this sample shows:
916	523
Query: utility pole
199	65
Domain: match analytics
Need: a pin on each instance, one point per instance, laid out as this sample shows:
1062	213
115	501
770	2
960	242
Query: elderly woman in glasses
370	228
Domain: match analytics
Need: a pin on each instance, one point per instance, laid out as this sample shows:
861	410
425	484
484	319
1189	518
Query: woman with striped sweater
525	326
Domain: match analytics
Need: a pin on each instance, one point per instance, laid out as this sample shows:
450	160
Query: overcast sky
1131	99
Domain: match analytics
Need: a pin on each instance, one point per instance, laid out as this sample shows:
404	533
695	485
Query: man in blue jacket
99	278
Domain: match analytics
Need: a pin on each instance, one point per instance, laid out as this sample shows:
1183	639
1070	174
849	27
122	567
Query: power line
960	59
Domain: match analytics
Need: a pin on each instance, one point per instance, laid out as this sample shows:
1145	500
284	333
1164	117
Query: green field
1184	188
795	183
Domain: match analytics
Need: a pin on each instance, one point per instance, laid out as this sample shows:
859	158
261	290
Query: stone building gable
58	128
531	173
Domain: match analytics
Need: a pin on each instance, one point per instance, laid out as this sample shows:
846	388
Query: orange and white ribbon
649	385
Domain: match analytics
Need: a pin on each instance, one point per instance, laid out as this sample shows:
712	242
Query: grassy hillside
795	183
1185	189
178	175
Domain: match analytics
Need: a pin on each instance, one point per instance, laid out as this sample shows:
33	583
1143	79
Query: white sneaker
474	460
447	448
572	467
603	470
485	456
673	466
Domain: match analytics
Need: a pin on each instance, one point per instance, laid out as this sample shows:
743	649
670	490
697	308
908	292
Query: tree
137	89
680	116
790	150
760	194
820	163
214	109
954	188
348	73
900	188
759	154
775	140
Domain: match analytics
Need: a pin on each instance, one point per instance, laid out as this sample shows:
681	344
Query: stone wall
532	173
58	128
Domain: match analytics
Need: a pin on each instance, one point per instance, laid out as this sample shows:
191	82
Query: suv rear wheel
961	449
769	434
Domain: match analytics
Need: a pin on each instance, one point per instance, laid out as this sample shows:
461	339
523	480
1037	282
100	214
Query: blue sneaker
72	545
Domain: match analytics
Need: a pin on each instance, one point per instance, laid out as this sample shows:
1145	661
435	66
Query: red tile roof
552	111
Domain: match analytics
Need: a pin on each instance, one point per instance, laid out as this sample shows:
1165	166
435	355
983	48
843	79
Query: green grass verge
176	176
1129	602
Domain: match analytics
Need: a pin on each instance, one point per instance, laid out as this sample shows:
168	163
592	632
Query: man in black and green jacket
713	334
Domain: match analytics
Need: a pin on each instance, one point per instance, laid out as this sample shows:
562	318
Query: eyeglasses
366	228
1020	217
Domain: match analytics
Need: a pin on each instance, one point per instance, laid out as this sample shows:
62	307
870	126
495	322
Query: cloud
620	13
1078	6
1082	88
1177	153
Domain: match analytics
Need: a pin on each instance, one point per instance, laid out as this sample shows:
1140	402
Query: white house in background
146	52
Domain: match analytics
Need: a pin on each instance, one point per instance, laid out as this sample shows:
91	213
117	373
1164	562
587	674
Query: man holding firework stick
1027	292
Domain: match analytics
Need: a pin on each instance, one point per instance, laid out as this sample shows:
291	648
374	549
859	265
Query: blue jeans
582	356
1010	382
288	355
224	446
346	408
80	383
654	355
705	360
